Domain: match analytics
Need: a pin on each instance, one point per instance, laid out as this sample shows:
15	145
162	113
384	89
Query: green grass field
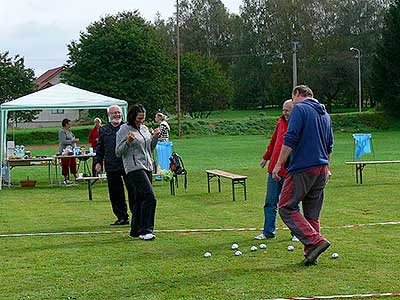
111	266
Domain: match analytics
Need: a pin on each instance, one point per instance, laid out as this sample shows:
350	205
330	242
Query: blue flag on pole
363	144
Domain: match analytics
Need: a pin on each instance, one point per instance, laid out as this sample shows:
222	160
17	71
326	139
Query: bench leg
49	171
90	187
208	182
233	190
219	184
357	174
359	170
56	166
244	188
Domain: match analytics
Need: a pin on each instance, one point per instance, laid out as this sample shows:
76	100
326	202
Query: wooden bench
236	179
90	181
360	165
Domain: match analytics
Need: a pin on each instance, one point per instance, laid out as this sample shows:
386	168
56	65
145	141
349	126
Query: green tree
262	37
16	81
166	31
326	29
386	66
205	27
331	78
328	66
204	87
121	56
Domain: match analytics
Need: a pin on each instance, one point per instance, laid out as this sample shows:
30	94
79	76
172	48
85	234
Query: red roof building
49	78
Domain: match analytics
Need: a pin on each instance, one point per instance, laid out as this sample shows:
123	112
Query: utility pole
359	77
295	44
178	70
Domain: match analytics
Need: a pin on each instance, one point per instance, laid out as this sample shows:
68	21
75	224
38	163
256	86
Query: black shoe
134	235
120	222
307	263
315	252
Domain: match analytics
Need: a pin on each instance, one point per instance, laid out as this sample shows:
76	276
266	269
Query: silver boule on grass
263	246
207	254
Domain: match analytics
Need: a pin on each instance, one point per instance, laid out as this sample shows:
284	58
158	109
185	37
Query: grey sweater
65	138
137	155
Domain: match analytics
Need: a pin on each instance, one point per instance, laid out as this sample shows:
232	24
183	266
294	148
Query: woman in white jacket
135	144
164	126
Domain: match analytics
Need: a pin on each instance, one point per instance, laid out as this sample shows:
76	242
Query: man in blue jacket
309	142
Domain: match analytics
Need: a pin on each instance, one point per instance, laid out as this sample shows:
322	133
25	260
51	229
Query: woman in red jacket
94	133
93	137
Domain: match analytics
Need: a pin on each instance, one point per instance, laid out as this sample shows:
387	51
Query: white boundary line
180	230
342	296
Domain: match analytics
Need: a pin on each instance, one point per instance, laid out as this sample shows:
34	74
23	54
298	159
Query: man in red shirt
274	187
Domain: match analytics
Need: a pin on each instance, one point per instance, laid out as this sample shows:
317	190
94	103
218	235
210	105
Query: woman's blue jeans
271	205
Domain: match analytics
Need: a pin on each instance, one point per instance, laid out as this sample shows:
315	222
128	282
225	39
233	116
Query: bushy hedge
258	124
362	122
46	136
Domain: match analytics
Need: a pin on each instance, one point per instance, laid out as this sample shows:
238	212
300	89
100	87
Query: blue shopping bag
164	151
363	144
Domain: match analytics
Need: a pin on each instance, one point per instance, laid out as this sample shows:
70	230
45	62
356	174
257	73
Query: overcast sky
39	30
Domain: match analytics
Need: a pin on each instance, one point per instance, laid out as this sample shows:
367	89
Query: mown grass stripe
342	296
183	230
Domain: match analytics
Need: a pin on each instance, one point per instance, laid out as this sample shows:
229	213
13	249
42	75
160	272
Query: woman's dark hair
65	122
133	112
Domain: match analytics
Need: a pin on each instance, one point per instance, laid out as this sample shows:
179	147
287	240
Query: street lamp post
359	76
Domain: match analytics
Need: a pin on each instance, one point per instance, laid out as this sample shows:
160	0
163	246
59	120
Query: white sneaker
295	239
68	182
147	237
260	237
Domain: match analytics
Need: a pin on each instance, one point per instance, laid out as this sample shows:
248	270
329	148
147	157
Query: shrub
257	124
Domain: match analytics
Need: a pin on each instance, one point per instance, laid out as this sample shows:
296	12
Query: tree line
242	61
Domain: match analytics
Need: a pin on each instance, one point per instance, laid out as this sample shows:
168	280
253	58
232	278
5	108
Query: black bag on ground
176	164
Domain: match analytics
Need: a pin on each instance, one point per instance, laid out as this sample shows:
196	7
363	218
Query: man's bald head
287	108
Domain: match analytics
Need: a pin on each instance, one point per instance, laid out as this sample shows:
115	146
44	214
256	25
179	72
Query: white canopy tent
60	96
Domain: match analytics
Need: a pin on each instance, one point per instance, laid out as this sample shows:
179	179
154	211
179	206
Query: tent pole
3	138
